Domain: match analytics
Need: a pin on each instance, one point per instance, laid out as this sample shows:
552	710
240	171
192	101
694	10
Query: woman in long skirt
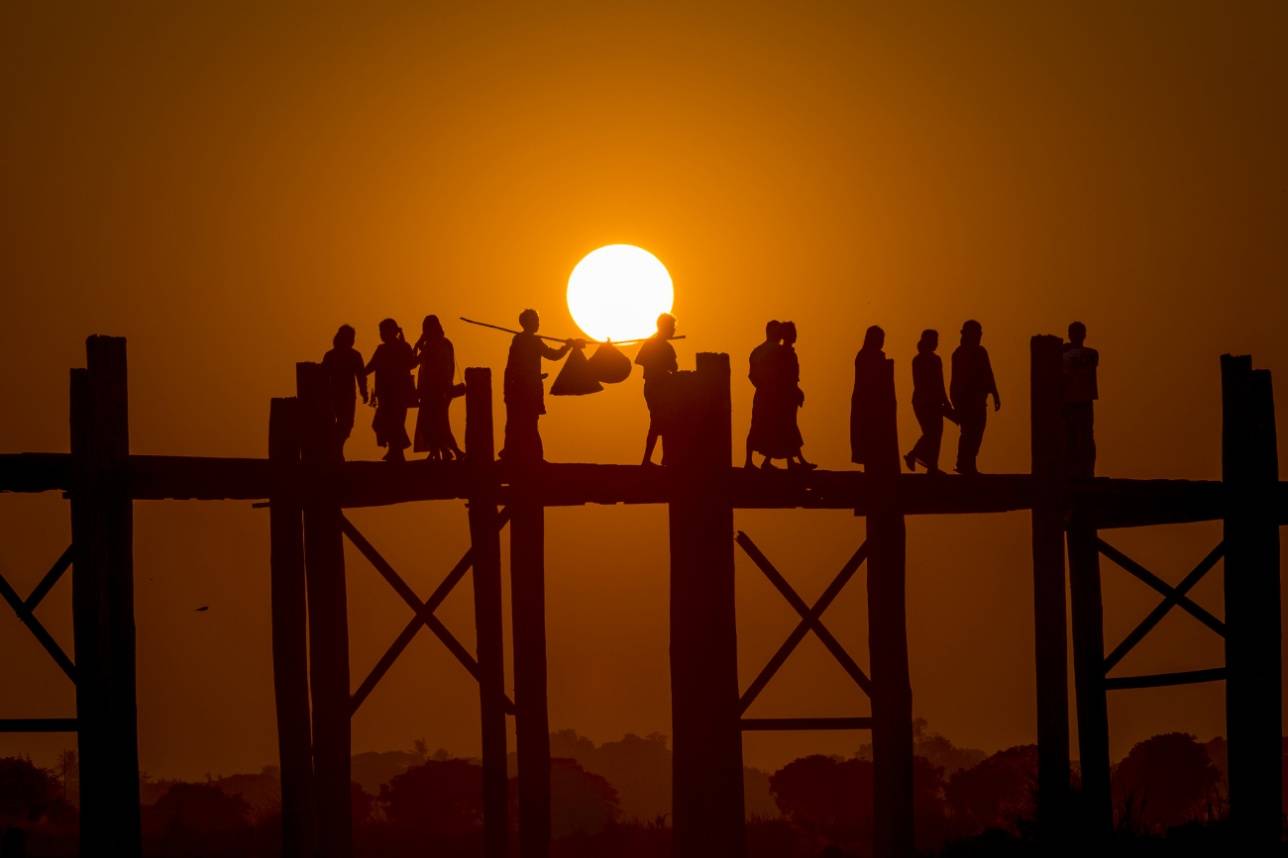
435	391
791	398
392	363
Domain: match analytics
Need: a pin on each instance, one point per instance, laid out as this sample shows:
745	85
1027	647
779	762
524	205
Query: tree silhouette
27	792
437	797
1164	781
580	802
996	793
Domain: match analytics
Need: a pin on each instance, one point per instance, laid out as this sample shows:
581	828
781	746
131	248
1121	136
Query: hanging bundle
609	365
576	378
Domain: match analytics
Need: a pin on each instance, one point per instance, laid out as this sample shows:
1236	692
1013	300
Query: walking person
347	378
762	370
524	391
657	357
1080	394
868	366
435	391
972	383
394	390
791	400
929	402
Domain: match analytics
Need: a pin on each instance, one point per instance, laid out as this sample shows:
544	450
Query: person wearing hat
972	383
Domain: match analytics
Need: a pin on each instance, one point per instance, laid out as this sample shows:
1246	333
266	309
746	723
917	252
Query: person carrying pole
657	357
524	392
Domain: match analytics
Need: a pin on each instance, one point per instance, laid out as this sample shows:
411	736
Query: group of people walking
395	390
773	369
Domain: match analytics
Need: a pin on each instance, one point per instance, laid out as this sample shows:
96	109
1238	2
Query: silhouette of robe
865	402
787	402
762	370
969	389
434	391
930	404
525	397
1080	394
344	371
392	363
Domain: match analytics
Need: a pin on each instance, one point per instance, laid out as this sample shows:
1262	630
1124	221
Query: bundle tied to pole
581	375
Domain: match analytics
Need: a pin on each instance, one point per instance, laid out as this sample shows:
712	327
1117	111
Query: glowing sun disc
617	292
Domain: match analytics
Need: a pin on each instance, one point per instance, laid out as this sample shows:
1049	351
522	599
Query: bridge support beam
1089	675
103	603
1253	657
707	786
290	631
328	615
892	758
532	717
485	545
1050	634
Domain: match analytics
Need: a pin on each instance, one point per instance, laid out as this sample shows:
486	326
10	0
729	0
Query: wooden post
532	718
1089	676
290	631
888	636
707	785
328	615
1253	642
1046	440
485	542
103	603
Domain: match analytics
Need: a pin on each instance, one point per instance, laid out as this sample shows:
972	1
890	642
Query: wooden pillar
328	619
528	606
1096	804
290	631
1253	643
485	542
707	786
888	635
103	603
1046	439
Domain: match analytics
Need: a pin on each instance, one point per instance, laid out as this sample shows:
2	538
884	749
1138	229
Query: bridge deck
1118	502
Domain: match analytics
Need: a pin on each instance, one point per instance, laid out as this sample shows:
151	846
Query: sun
618	291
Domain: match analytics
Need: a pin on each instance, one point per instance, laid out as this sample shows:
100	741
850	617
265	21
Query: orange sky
224	186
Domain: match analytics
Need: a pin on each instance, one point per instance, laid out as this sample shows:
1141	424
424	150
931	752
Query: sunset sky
224	184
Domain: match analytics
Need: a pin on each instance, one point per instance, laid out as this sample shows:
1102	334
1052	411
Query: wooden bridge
307	492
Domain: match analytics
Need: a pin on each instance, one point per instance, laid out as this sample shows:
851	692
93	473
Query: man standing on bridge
657	356
1080	395
524	391
969	390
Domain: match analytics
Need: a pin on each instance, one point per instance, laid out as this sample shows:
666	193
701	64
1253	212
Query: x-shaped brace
423	610
26	610
1172	597
811	620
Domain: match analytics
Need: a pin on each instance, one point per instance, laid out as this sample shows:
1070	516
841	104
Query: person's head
787	330
773	331
666	326
344	337
1077	333
389	330
972	332
431	327
529	320
929	340
874	338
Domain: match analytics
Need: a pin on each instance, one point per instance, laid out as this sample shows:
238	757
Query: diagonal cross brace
424	612
1174	595
803	627
26	610
1171	600
810	618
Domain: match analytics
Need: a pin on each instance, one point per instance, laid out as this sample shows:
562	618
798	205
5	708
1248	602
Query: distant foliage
999	792
1165	781
27	793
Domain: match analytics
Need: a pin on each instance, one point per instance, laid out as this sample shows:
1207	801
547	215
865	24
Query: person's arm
360	373
552	353
992	384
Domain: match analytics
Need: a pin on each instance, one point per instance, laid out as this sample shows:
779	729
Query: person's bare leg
649	445
748	463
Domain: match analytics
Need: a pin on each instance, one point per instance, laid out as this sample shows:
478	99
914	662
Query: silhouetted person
343	367
1080	395
971	385
762	371
524	392
929	402
435	391
790	398
395	392
868	366
657	357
